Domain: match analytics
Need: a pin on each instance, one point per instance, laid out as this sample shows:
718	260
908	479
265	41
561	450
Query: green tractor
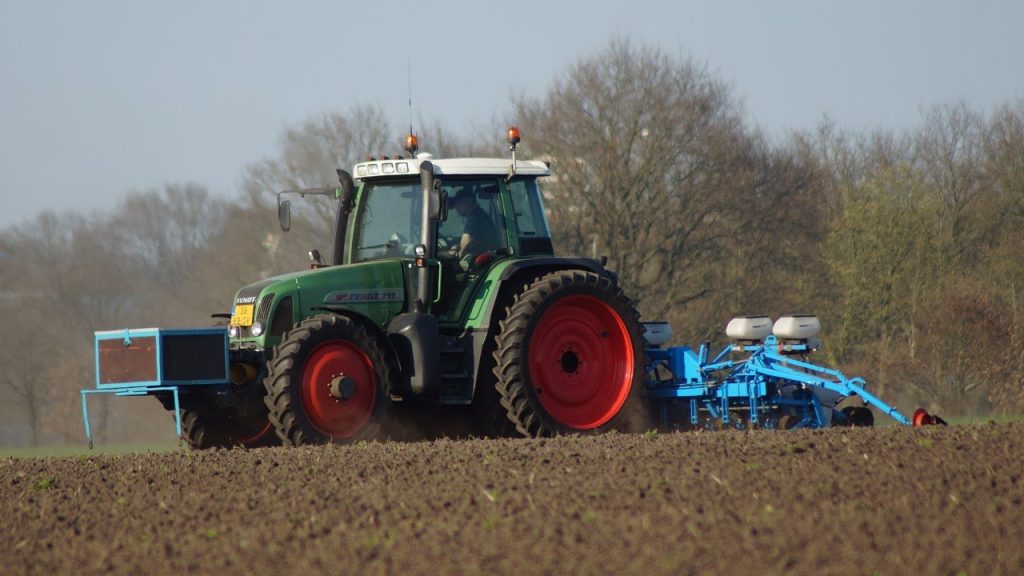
443	291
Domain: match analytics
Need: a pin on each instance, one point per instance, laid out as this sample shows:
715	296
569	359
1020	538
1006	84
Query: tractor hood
264	310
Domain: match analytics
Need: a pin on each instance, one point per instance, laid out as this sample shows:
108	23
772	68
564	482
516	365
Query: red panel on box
133	363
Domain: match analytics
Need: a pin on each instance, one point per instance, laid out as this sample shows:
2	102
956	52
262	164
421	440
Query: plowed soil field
842	501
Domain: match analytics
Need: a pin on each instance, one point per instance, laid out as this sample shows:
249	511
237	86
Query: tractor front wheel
328	382
569	357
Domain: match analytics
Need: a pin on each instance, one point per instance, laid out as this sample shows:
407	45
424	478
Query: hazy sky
101	98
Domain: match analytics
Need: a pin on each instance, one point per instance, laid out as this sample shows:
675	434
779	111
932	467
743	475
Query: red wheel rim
581	362
335	417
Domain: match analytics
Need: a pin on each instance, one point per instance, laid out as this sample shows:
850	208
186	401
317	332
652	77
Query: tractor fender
519	273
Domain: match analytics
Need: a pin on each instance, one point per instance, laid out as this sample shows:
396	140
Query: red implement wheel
569	357
328	382
922	418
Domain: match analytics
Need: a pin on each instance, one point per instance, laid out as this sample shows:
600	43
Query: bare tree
28	347
950	151
309	156
487	141
633	135
1004	269
311	153
655	169
160	232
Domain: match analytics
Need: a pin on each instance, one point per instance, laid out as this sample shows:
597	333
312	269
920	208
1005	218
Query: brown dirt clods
839	501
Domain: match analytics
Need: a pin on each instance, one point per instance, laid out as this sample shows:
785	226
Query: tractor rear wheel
328	382
569	357
226	428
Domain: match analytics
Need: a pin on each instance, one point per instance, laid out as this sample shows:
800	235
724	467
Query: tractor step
454	400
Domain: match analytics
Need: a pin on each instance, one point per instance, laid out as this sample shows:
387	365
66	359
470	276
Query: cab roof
398	167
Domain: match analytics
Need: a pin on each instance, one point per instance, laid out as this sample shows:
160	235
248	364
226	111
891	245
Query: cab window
474	210
534	236
388	222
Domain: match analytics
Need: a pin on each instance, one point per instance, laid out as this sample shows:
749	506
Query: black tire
787	422
859	416
569	358
489	414
317	352
226	428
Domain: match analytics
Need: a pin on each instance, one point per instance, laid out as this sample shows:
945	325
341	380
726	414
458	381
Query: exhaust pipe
423	288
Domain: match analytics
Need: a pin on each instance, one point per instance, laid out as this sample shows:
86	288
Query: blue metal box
161	357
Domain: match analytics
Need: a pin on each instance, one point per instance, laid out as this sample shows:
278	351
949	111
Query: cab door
474	205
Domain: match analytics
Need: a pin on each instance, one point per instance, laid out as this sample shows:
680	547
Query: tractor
444	295
443	290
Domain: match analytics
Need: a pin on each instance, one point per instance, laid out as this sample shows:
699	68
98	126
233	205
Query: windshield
388	222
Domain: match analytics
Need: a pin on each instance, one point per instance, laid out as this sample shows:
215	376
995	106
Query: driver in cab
479	234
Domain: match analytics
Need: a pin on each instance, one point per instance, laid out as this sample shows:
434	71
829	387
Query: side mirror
284	215
348	188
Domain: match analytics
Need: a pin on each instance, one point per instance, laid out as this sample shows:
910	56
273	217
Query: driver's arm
464	243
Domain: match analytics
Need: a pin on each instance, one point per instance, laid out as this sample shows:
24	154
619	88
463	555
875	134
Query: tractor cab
454	217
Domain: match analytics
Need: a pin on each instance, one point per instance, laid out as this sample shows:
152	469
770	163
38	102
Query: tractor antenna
411	141
408	70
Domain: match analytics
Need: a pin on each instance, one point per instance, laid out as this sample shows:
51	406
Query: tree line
906	244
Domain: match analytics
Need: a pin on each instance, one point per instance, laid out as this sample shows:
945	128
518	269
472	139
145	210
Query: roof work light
412	144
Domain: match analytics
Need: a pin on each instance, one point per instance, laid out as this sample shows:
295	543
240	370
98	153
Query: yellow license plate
242	315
